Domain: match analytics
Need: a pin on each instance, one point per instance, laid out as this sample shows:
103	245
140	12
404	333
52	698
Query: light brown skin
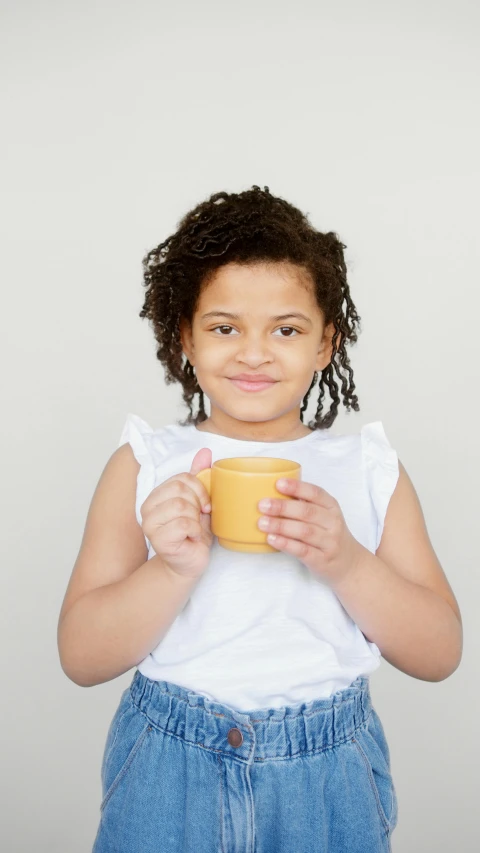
400	597
176	520
289	351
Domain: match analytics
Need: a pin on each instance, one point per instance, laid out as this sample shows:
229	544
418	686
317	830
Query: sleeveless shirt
261	630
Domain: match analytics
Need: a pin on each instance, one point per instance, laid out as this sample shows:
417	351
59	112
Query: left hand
312	528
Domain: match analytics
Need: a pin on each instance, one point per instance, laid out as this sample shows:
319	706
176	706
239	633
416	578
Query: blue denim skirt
183	774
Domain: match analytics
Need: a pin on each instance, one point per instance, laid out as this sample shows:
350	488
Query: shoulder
368	445
120	470
124	456
150	444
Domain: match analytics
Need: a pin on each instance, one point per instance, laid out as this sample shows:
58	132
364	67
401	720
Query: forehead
281	282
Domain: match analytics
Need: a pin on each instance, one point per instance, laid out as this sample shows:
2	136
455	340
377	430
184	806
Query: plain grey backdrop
118	118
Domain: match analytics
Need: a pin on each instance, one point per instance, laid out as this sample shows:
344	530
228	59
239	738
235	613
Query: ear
186	339
324	354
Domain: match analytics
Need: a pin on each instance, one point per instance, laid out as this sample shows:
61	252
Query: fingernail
207	507
265	503
282	483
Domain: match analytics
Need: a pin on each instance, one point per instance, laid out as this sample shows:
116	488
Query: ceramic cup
235	486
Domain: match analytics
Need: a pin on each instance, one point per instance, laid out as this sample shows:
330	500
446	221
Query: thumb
201	460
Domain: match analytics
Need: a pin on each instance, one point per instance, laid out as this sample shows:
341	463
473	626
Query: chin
251	414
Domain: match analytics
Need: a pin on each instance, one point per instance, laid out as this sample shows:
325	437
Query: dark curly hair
247	227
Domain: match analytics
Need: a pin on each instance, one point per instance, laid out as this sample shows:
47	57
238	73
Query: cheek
220	347
210	357
303	359
212	354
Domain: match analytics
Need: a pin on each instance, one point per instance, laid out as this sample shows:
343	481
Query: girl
248	726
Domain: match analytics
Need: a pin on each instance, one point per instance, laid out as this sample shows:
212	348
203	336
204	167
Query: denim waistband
257	735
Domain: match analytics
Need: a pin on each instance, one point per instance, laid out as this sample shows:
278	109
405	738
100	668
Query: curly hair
248	227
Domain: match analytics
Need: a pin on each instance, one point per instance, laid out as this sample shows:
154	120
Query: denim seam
115	734
373	785
125	766
220	770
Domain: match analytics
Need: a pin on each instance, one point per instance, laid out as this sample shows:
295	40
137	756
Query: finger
201	460
302	550
198	488
174	507
179	529
306	491
168	491
303	510
184	485
301	531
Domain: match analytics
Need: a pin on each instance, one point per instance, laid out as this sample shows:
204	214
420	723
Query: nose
253	350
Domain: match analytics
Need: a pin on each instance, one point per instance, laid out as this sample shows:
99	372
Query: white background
118	118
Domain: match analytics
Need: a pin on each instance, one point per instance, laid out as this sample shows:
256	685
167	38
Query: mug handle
206	478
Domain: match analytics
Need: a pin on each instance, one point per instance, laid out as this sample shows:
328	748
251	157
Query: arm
118	604
400	597
112	628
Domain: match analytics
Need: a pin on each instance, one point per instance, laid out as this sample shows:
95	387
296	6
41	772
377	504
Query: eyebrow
275	319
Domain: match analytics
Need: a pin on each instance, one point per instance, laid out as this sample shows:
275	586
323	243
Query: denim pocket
372	746
126	735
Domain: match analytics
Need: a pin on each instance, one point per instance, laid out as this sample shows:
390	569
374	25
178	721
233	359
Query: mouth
253	386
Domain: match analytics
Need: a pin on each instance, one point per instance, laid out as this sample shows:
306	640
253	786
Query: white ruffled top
260	630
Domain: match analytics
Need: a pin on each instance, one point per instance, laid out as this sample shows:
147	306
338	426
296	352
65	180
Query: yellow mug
235	486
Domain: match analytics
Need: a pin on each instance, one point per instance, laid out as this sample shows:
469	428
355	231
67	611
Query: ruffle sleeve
381	466
140	436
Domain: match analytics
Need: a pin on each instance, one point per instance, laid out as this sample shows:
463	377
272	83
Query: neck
281	429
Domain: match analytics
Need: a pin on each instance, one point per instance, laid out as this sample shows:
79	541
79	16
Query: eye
215	329
289	329
225	331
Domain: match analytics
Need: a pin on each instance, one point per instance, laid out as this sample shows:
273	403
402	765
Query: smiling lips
252	382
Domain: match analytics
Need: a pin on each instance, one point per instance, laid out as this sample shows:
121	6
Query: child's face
288	350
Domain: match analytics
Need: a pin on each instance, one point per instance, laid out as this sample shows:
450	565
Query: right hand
174	522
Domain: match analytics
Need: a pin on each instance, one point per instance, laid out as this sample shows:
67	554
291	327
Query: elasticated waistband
259	735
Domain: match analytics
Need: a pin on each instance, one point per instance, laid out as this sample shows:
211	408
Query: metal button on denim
235	737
